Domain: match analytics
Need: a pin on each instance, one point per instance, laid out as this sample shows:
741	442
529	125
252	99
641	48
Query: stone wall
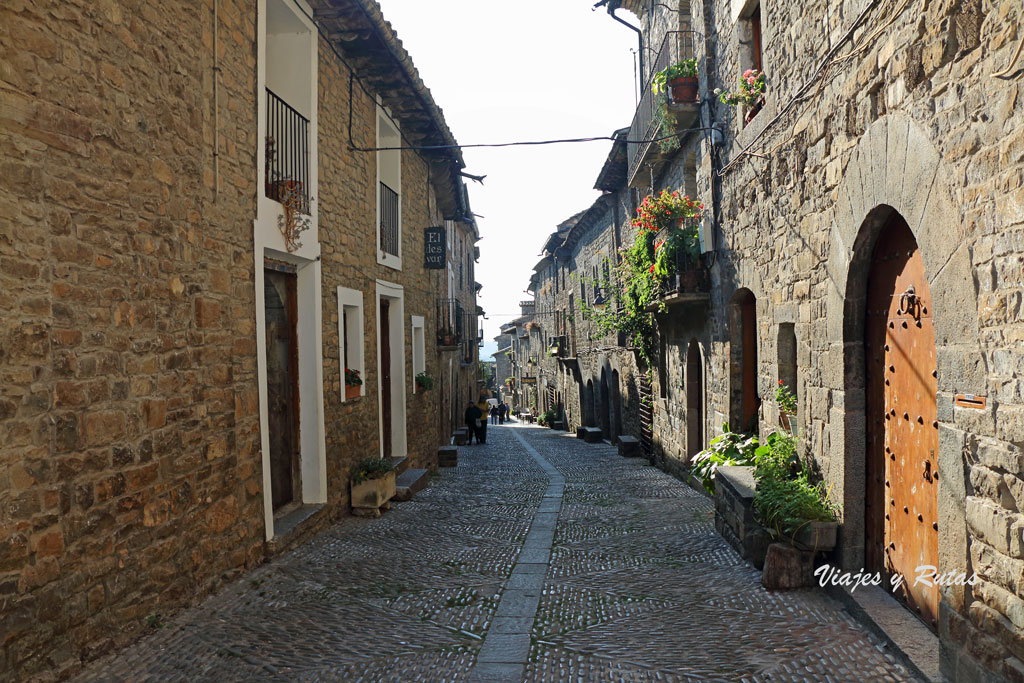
129	466
908	119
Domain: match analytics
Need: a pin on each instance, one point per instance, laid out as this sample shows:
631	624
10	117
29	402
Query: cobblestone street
538	558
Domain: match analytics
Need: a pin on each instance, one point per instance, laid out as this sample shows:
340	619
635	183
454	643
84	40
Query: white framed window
350	336
389	192
419	350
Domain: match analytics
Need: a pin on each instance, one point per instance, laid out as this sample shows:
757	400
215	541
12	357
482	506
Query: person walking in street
494	414
501	413
481	431
472	418
508	412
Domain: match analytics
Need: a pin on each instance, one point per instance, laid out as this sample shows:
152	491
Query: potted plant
352	384
729	448
791	506
424	381
372	485
750	94
786	401
680	79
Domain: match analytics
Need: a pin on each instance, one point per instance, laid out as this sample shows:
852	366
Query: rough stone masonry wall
129	464
348	225
916	103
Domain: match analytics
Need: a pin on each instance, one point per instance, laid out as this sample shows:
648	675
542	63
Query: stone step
629	446
400	462
410	482
592	435
448	456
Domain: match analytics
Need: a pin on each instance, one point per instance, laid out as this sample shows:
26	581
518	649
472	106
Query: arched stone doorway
616	407
588	405
744	401
906	176
604	410
694	380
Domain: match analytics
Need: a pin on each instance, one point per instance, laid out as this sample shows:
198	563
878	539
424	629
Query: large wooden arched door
694	380
903	436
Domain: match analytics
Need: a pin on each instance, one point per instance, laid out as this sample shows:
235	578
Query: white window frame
351	301
385	158
419	348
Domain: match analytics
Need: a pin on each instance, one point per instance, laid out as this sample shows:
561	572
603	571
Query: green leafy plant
370	468
752	89
548	417
424	381
637	287
787	498
726	449
785	399
664	124
509	381
352	378
686	68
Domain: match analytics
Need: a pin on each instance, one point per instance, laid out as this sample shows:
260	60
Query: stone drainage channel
503	655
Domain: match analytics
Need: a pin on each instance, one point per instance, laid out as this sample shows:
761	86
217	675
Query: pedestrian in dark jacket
472	417
494	414
481	429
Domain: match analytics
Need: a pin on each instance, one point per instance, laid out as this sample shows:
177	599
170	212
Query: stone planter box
370	496
734	513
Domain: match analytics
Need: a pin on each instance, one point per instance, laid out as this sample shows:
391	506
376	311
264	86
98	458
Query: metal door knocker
909	303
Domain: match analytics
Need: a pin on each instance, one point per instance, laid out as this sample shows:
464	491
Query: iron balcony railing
450	322
677	46
286	177
388	220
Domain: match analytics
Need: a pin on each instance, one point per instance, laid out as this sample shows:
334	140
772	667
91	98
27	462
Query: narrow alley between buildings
540	558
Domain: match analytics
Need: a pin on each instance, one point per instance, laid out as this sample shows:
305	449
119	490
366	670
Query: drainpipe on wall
617	4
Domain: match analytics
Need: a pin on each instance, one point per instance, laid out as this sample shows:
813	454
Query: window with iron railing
450	322
389	221
286	174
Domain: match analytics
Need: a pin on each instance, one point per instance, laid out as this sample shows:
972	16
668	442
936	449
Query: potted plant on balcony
786	402
680	79
750	94
372	485
353	382
424	381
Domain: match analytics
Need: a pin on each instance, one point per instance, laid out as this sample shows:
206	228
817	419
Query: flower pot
818	536
753	109
684	89
351	391
371	495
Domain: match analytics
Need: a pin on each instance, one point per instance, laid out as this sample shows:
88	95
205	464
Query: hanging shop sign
434	247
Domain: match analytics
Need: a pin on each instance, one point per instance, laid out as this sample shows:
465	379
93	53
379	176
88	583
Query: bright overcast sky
509	71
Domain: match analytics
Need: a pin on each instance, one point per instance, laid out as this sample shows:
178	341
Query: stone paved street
553	562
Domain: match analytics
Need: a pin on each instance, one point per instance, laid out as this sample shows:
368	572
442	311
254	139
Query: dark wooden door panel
282	384
385	374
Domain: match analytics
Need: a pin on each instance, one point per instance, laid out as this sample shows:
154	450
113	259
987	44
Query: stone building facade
872	203
161	336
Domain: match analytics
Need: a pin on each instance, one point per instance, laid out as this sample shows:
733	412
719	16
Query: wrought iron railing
388	220
688	277
677	46
286	176
450	322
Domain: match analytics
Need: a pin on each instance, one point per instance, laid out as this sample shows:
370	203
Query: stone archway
896	168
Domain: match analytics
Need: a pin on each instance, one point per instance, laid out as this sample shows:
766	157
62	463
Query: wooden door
694	402
279	291
385	375
903	435
751	402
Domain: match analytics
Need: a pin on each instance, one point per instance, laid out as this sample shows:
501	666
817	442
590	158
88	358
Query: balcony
648	124
388	220
559	347
286	176
450	322
470	339
689	285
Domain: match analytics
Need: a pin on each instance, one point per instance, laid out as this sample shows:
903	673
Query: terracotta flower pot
351	391
684	89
